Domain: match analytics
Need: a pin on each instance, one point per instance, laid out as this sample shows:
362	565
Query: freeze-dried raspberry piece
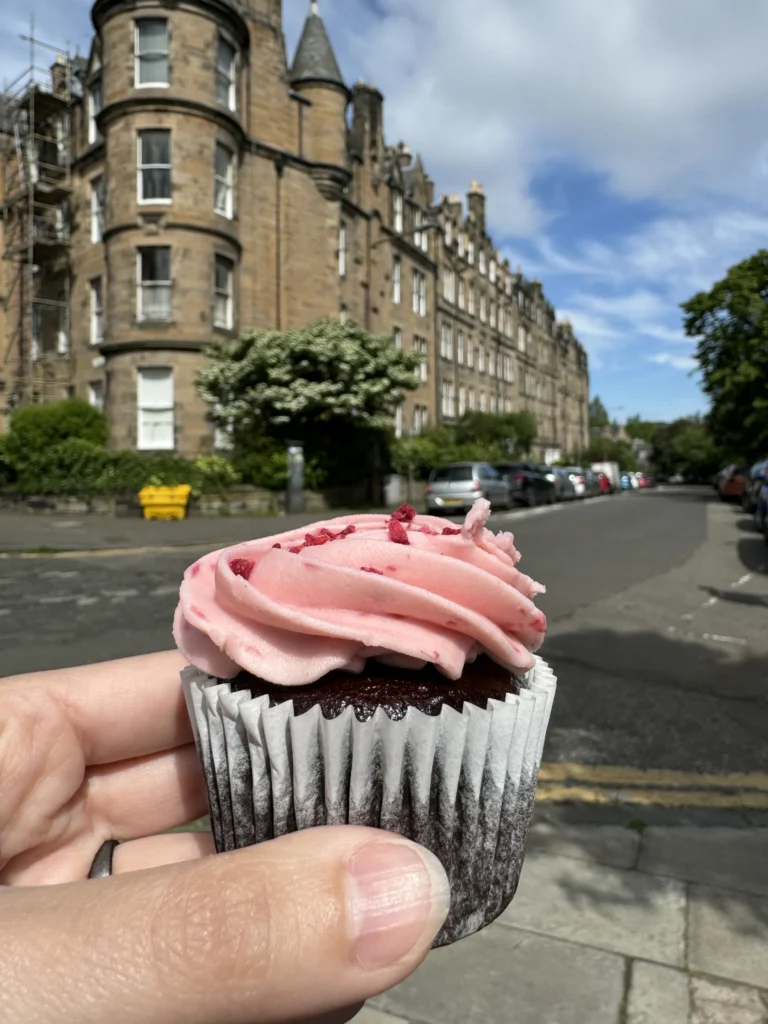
404	514
449	531
397	532
242	567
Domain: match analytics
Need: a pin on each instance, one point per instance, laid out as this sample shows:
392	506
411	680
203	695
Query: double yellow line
659	787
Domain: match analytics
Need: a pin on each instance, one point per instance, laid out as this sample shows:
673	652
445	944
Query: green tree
598	414
731	324
644	430
686	446
333	386
605	449
510	433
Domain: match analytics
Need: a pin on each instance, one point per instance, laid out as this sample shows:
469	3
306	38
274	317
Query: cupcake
373	670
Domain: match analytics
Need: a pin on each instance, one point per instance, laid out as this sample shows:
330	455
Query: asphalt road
640	682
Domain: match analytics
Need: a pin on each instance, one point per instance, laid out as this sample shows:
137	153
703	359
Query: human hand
304	926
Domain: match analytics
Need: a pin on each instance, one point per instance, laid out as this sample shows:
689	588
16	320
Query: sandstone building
185	182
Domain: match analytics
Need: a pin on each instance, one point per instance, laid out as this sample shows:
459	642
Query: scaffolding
35	135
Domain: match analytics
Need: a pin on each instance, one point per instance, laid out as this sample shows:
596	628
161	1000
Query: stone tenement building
185	183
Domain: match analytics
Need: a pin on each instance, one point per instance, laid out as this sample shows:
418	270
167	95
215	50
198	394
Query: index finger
119	709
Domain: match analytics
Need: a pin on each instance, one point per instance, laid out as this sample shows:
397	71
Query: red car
732	483
606	487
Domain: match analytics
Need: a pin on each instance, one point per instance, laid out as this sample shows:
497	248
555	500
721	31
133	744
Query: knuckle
214	925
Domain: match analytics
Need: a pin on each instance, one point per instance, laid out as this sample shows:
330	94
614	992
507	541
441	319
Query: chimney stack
476	204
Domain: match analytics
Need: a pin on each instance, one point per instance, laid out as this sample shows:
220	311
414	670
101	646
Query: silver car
456	487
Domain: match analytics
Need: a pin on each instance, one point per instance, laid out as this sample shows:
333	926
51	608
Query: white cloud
675	361
661	98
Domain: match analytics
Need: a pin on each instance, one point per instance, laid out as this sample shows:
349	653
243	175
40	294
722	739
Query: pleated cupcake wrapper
460	783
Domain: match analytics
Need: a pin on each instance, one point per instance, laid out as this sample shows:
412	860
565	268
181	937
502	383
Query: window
507	373
483	407
419	293
154	163
94	109
397	276
343	314
521	338
507	405
420	344
491	363
480	359
470	353
462	294
494	311
471	253
462	245
420	418
37	333
448	233
62	334
420	233
481	262
97	208
462	401
471	307
151	52
449	283
446	341
460	348
399	421
223	298
492	272
342	249
508	286
397	212
471	399
483	309
398	336
97	311
448	399
226	74
154	399
96	395
223	175
493	404
155	285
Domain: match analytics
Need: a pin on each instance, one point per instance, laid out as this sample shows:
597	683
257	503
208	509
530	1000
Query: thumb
297	927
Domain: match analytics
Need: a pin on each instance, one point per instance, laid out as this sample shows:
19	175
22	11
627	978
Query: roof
315	60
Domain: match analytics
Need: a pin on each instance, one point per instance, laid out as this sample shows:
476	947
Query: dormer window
397	212
492	272
471	253
462	245
448	233
481	262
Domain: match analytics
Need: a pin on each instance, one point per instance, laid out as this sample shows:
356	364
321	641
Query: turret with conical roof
315	74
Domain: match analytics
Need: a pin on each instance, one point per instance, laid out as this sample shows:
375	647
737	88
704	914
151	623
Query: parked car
564	486
732	483
760	514
576	474
528	483
592	484
606	487
456	487
758	475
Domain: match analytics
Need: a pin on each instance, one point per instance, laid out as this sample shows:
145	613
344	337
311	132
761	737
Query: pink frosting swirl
405	589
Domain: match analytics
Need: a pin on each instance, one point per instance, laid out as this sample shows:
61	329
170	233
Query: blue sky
623	148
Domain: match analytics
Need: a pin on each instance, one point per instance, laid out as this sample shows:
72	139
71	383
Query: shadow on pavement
753	553
651	701
737	597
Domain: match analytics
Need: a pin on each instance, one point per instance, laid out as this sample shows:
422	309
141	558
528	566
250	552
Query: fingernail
399	897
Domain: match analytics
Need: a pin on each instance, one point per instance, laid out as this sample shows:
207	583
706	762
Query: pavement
610	925
644	894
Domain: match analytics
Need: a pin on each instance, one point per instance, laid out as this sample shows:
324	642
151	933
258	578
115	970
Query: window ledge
155	323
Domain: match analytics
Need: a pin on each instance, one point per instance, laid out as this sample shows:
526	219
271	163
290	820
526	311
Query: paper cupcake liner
460	783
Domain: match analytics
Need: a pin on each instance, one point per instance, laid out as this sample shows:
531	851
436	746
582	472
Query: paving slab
608	908
657	995
729	858
728	935
504	975
370	1015
602	844
714	1002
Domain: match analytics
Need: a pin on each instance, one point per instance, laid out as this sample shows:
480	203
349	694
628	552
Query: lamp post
295	490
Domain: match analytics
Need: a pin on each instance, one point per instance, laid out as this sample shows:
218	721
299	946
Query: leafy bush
73	467
268	468
37	428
